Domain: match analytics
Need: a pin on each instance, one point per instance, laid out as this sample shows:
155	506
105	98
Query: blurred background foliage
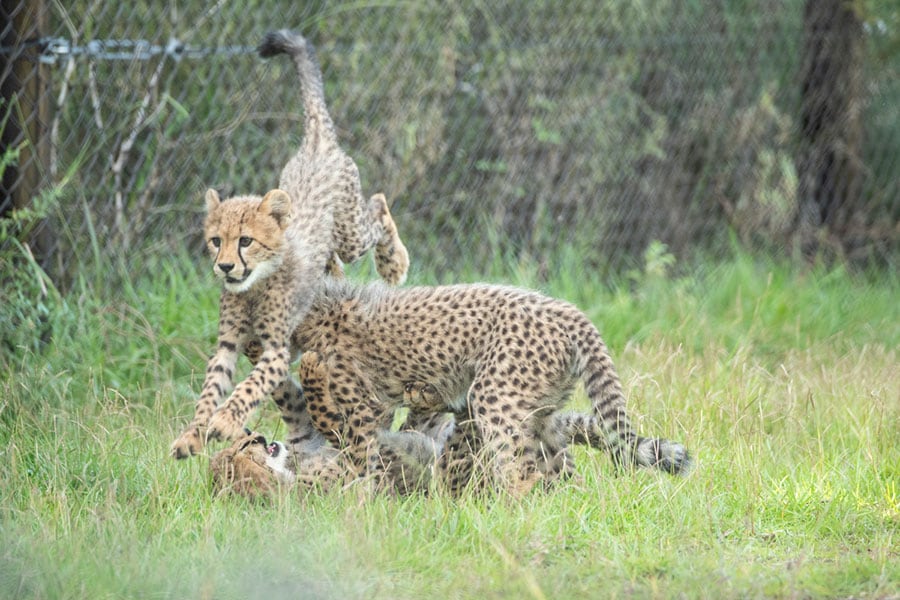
510	131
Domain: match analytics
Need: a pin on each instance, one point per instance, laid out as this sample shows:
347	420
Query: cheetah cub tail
582	428
664	455
312	90
613	428
283	41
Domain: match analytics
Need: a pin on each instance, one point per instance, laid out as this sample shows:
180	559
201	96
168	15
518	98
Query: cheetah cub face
245	237
276	461
251	466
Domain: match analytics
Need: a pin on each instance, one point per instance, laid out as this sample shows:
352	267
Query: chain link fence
514	128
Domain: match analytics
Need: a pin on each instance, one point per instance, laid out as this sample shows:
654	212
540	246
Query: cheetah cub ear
277	204
212	200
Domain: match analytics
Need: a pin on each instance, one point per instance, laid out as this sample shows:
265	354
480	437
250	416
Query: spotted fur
508	358
271	254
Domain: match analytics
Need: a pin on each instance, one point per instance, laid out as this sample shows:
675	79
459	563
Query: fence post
26	104
830	161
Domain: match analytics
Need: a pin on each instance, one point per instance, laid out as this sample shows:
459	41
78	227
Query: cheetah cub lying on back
253	467
435	452
271	253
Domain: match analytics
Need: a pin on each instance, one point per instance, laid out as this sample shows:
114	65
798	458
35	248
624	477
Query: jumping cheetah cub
272	253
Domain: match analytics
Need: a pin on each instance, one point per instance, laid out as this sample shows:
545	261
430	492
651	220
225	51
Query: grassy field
785	385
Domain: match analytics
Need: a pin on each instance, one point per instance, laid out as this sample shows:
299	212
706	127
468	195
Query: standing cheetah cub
272	253
507	357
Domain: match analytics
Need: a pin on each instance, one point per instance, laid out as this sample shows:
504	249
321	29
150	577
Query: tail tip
671	457
282	41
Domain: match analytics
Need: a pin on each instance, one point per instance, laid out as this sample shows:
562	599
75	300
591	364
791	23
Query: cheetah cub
271	254
507	358
255	468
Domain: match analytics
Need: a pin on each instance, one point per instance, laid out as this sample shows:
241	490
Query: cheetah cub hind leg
391	257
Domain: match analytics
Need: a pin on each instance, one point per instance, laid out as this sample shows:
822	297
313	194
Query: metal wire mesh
514	127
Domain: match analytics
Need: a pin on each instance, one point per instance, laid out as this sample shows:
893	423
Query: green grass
785	385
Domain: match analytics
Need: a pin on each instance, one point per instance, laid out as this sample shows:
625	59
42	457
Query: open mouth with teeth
274	449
